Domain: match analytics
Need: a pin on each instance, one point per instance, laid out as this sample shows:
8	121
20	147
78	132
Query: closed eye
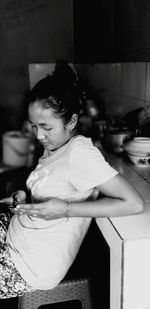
47	129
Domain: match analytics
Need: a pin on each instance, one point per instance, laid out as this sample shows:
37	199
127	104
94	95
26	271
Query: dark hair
59	91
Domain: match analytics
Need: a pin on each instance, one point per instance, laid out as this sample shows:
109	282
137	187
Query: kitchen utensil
114	139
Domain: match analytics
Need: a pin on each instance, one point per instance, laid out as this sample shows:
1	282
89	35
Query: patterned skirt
11	282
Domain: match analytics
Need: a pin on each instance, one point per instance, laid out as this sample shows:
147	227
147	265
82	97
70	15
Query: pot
114	139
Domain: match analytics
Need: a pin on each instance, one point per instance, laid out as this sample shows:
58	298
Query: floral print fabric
11	282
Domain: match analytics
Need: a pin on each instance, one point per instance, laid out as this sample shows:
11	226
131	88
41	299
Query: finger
32	213
19	200
14	210
19	195
28	207
6	200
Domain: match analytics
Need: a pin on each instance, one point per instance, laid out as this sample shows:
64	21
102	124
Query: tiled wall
120	86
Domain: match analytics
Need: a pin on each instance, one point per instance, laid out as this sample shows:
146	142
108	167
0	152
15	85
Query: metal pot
114	139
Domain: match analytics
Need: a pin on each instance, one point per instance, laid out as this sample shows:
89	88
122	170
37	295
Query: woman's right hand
18	196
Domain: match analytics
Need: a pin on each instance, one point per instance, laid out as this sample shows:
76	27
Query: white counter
129	241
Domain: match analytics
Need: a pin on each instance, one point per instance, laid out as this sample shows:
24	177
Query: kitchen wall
30	31
121	87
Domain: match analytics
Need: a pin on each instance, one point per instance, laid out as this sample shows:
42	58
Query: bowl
139	146
139	160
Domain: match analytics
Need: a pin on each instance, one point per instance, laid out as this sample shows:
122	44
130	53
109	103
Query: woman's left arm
119	199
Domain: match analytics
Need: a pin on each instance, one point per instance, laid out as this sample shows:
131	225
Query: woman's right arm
19	196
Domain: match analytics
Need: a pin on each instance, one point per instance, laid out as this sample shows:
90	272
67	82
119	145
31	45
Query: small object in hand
14	202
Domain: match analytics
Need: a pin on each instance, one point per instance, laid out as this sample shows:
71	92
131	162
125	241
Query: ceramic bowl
139	159
139	146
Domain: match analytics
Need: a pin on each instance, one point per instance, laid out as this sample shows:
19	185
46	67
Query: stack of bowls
138	150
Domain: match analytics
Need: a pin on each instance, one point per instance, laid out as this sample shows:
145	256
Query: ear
73	122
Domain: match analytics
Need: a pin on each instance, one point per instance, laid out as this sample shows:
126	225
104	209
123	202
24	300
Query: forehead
37	112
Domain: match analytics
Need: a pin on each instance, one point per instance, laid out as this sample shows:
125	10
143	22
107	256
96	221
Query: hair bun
65	76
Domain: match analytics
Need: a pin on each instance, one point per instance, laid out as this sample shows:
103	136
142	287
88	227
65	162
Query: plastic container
15	148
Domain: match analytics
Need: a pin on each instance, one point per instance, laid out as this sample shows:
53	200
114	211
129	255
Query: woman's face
49	129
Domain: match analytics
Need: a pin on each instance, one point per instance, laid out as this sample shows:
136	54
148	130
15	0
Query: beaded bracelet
67	210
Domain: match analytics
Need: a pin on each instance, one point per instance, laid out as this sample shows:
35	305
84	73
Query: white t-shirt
42	250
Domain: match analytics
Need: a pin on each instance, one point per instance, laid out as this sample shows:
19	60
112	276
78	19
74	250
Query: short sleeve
88	168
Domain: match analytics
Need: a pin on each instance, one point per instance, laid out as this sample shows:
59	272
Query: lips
44	144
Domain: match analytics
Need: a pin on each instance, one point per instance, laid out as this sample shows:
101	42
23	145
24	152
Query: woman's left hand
51	209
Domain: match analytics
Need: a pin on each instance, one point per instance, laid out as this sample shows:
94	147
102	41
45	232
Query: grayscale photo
74	154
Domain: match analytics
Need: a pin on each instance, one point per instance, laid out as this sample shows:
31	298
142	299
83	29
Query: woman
71	184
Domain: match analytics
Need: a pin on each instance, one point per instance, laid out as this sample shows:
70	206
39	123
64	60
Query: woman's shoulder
83	146
80	141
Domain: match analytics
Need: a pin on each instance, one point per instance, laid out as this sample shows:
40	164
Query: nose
40	134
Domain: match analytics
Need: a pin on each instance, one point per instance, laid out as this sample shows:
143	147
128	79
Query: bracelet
67	210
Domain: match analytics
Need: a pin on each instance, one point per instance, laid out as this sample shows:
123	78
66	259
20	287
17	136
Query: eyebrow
41	124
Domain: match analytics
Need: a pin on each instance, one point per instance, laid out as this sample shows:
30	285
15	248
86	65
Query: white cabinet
129	242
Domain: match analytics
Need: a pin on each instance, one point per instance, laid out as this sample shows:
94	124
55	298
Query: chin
50	148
